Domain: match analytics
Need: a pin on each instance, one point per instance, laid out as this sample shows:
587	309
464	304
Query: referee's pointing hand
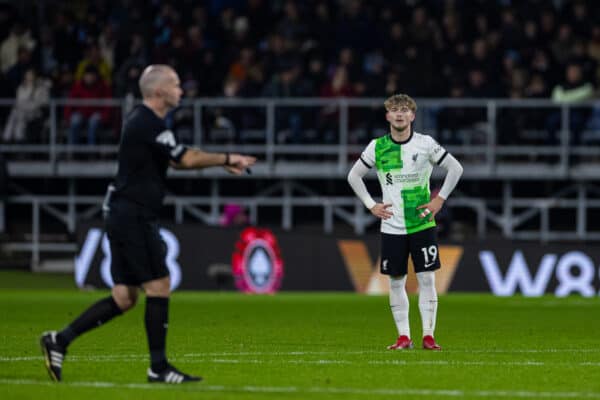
238	163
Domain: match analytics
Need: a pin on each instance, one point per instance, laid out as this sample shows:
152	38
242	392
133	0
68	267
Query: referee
147	149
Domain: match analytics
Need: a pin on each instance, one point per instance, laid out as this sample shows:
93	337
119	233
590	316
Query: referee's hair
152	77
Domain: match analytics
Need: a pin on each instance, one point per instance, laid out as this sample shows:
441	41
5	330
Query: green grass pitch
308	346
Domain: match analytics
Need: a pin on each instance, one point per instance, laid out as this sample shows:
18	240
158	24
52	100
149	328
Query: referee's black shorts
137	249
421	246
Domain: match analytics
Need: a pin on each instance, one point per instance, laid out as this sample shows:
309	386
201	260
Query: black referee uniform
131	209
147	147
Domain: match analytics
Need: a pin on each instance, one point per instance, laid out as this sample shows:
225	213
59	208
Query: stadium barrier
201	258
542	139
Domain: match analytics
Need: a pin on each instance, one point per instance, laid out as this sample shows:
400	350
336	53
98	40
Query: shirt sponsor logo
402	178
389	180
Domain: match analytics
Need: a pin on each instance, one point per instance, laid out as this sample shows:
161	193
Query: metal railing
479	141
337	137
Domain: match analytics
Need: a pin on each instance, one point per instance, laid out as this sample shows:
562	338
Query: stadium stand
508	87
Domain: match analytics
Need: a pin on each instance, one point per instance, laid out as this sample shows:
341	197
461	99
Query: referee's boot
430	344
402	343
54	355
171	375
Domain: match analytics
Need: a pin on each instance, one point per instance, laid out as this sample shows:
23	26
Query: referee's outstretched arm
161	91
196	159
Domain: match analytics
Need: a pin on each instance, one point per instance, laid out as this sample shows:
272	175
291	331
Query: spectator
238	70
291	25
321	32
19	38
182	118
65	35
593	50
32	96
452	120
289	83
573	89
315	73
562	44
127	85
91	86
340	86
579	55
94	58
62	81
46	52
15	74
423	47
130	50
107	43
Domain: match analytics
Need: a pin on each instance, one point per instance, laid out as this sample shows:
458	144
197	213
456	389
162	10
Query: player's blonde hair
400	100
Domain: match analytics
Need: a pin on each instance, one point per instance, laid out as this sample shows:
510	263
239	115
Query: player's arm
183	157
355	179
453	174
194	158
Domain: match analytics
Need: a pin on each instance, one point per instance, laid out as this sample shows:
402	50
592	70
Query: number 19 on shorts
429	255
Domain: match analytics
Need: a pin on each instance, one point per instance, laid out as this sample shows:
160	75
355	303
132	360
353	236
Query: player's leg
158	291
394	258
54	344
428	303
121	299
425	256
399	306
156	319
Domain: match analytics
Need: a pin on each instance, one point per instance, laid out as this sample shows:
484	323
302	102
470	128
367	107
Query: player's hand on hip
430	209
381	211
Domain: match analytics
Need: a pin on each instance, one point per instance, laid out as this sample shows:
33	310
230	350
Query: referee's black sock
157	320
99	313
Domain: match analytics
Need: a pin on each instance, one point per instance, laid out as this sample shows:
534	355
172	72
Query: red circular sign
256	262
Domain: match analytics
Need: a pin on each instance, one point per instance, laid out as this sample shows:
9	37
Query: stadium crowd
327	48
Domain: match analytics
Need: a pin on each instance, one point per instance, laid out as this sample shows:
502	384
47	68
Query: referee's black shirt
146	148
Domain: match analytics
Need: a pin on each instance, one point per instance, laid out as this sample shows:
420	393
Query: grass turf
318	346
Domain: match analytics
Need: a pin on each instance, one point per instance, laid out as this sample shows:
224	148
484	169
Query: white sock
399	304
427	301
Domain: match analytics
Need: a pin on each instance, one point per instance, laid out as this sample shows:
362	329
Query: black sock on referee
99	313
157	319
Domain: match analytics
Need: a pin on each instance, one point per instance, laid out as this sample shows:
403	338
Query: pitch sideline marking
117	358
111	357
320	390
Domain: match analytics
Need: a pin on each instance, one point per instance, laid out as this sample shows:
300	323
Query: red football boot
430	344
402	343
